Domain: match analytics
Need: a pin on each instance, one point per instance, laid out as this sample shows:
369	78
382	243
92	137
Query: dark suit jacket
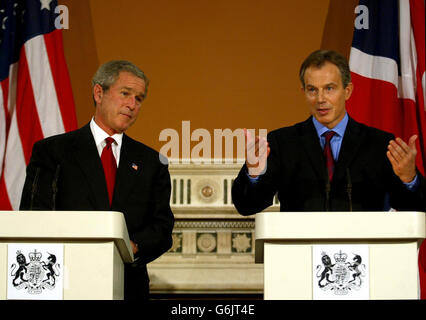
296	169
142	195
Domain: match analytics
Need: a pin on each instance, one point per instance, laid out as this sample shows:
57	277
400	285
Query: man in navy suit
98	167
329	162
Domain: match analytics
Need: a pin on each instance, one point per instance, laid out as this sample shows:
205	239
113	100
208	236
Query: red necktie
110	167
328	154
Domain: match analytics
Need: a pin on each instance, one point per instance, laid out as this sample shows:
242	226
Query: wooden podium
96	246
285	240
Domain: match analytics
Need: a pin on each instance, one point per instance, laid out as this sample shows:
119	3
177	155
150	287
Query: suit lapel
310	142
129	169
88	158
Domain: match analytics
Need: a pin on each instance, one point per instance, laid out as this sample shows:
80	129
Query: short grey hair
108	73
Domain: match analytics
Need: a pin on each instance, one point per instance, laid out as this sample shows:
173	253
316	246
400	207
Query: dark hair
319	58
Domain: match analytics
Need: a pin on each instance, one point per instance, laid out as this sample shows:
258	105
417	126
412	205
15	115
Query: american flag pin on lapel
134	166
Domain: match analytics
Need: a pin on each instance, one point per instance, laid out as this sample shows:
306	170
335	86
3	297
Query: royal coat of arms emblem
36	274
342	276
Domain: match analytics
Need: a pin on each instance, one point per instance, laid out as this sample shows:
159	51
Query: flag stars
3	20
3	25
22	16
45	4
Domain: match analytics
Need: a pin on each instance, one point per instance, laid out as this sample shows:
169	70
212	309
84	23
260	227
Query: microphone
349	188
55	187
327	195
34	187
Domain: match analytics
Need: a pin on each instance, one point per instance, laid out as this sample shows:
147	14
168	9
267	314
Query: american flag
35	93
387	62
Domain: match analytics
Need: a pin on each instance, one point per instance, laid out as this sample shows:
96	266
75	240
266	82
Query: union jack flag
387	62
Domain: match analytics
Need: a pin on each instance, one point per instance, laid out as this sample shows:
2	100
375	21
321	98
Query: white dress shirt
100	135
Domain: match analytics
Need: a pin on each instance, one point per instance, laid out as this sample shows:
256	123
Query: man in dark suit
329	162
98	167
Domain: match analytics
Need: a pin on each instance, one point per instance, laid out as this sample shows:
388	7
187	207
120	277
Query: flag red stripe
417	11
26	110
60	76
4	198
375	103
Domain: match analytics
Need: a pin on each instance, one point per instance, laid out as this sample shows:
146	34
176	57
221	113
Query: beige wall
220	64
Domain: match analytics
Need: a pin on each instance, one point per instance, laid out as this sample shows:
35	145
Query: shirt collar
340	128
100	135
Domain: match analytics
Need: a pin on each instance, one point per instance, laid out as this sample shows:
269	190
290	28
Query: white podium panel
284	243
96	246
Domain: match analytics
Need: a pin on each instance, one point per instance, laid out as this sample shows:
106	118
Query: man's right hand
257	152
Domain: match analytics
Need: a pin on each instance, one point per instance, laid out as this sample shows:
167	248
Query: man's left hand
403	158
135	248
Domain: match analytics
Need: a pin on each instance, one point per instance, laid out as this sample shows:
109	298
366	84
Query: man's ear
348	90
98	93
